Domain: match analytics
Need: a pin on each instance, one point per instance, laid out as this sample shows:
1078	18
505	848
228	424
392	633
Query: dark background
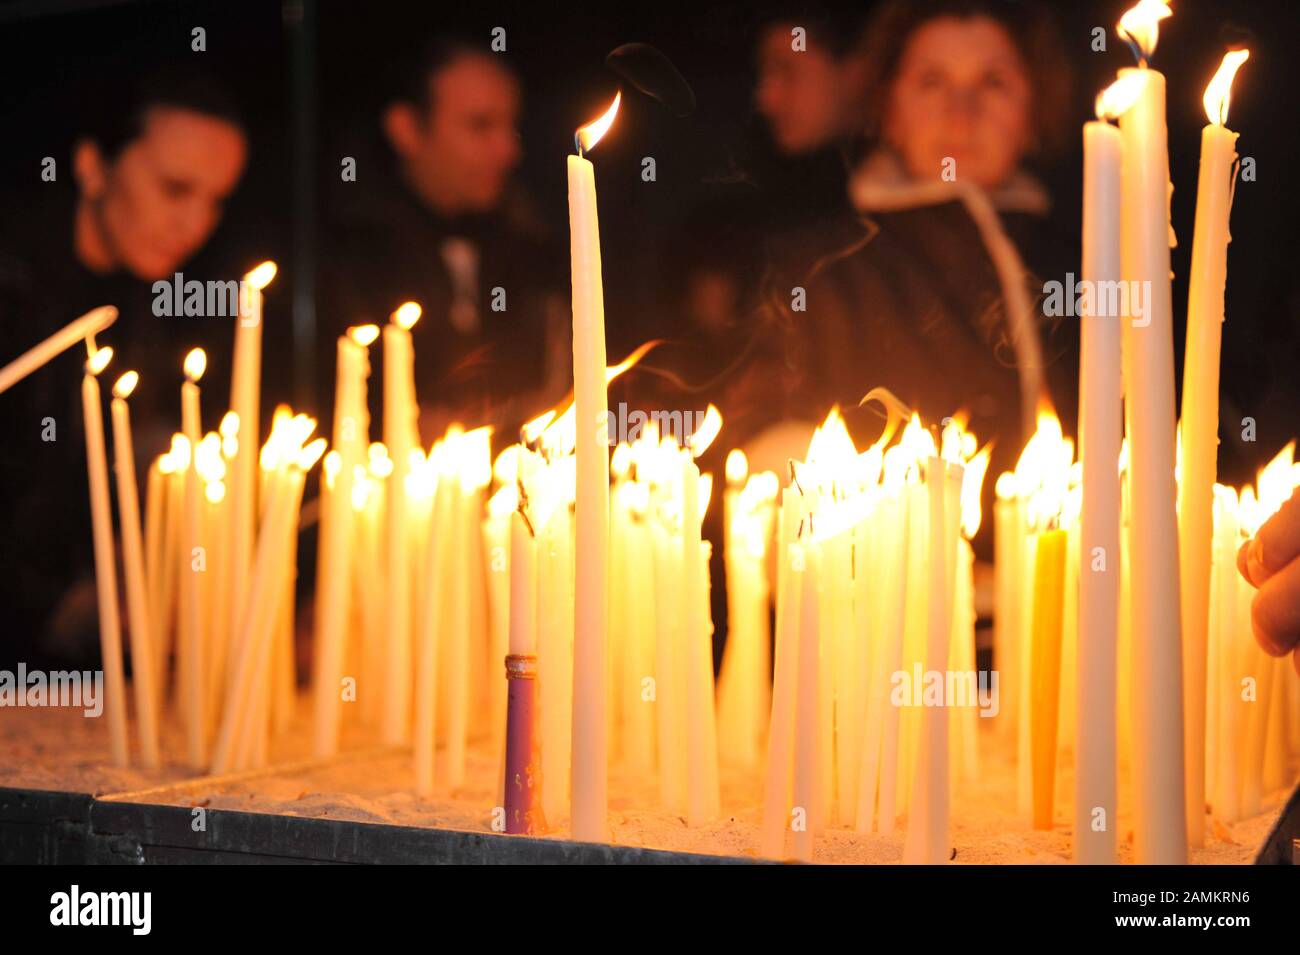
310	76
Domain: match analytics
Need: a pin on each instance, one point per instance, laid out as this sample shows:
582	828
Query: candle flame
1043	471
196	362
407	314
126	384
361	488
261	276
207	459
364	335
1219	92
700	440
587	136
504	502
180	452
737	467
1140	27
332	465
613	371
215	491
381	465
620	462
229	426
532	430
99	360
1120	95
972	484
309	455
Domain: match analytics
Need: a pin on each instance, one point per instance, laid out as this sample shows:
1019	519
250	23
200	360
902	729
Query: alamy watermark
1107	299
624	427
946	688
83	688
178	297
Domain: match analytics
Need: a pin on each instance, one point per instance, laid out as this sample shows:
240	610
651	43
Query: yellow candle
245	401
85	327
142	652
780	738
1200	419
808	777
110	627
589	796
702	796
400	435
1049	584
333	592
192	563
432	625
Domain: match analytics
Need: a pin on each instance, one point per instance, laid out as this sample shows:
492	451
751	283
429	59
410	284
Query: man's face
799	92
466	143
160	199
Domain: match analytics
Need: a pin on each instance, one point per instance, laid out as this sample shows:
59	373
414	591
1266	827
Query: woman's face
962	92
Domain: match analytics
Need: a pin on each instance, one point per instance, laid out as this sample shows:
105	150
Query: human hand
1271	563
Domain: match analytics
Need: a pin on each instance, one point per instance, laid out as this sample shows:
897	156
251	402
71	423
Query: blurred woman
937	297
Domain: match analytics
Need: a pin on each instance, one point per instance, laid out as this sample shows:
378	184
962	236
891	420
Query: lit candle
128	503
334	571
401	437
85	327
192	562
1200	418
245	397
110	628
1160	819
589	798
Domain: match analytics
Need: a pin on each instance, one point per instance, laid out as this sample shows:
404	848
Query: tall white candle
143	658
1100	433
1200	419
245	396
110	626
400	434
1160	823
334	573
589	797
192	563
88	325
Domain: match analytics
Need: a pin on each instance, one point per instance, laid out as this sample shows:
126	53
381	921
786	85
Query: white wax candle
190	646
142	653
333	575
110	627
399	435
1200	435
1100	433
589	794
1160	822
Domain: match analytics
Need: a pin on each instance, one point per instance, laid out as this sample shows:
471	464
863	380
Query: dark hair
1029	25
117	117
413	75
838	31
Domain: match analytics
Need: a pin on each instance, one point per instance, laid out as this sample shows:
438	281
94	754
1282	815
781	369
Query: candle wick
577	142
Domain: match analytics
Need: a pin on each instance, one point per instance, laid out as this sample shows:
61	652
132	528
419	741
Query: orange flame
587	136
1140	26
1219	92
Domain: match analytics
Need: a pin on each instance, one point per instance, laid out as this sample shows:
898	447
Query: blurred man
447	230
151	171
810	84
